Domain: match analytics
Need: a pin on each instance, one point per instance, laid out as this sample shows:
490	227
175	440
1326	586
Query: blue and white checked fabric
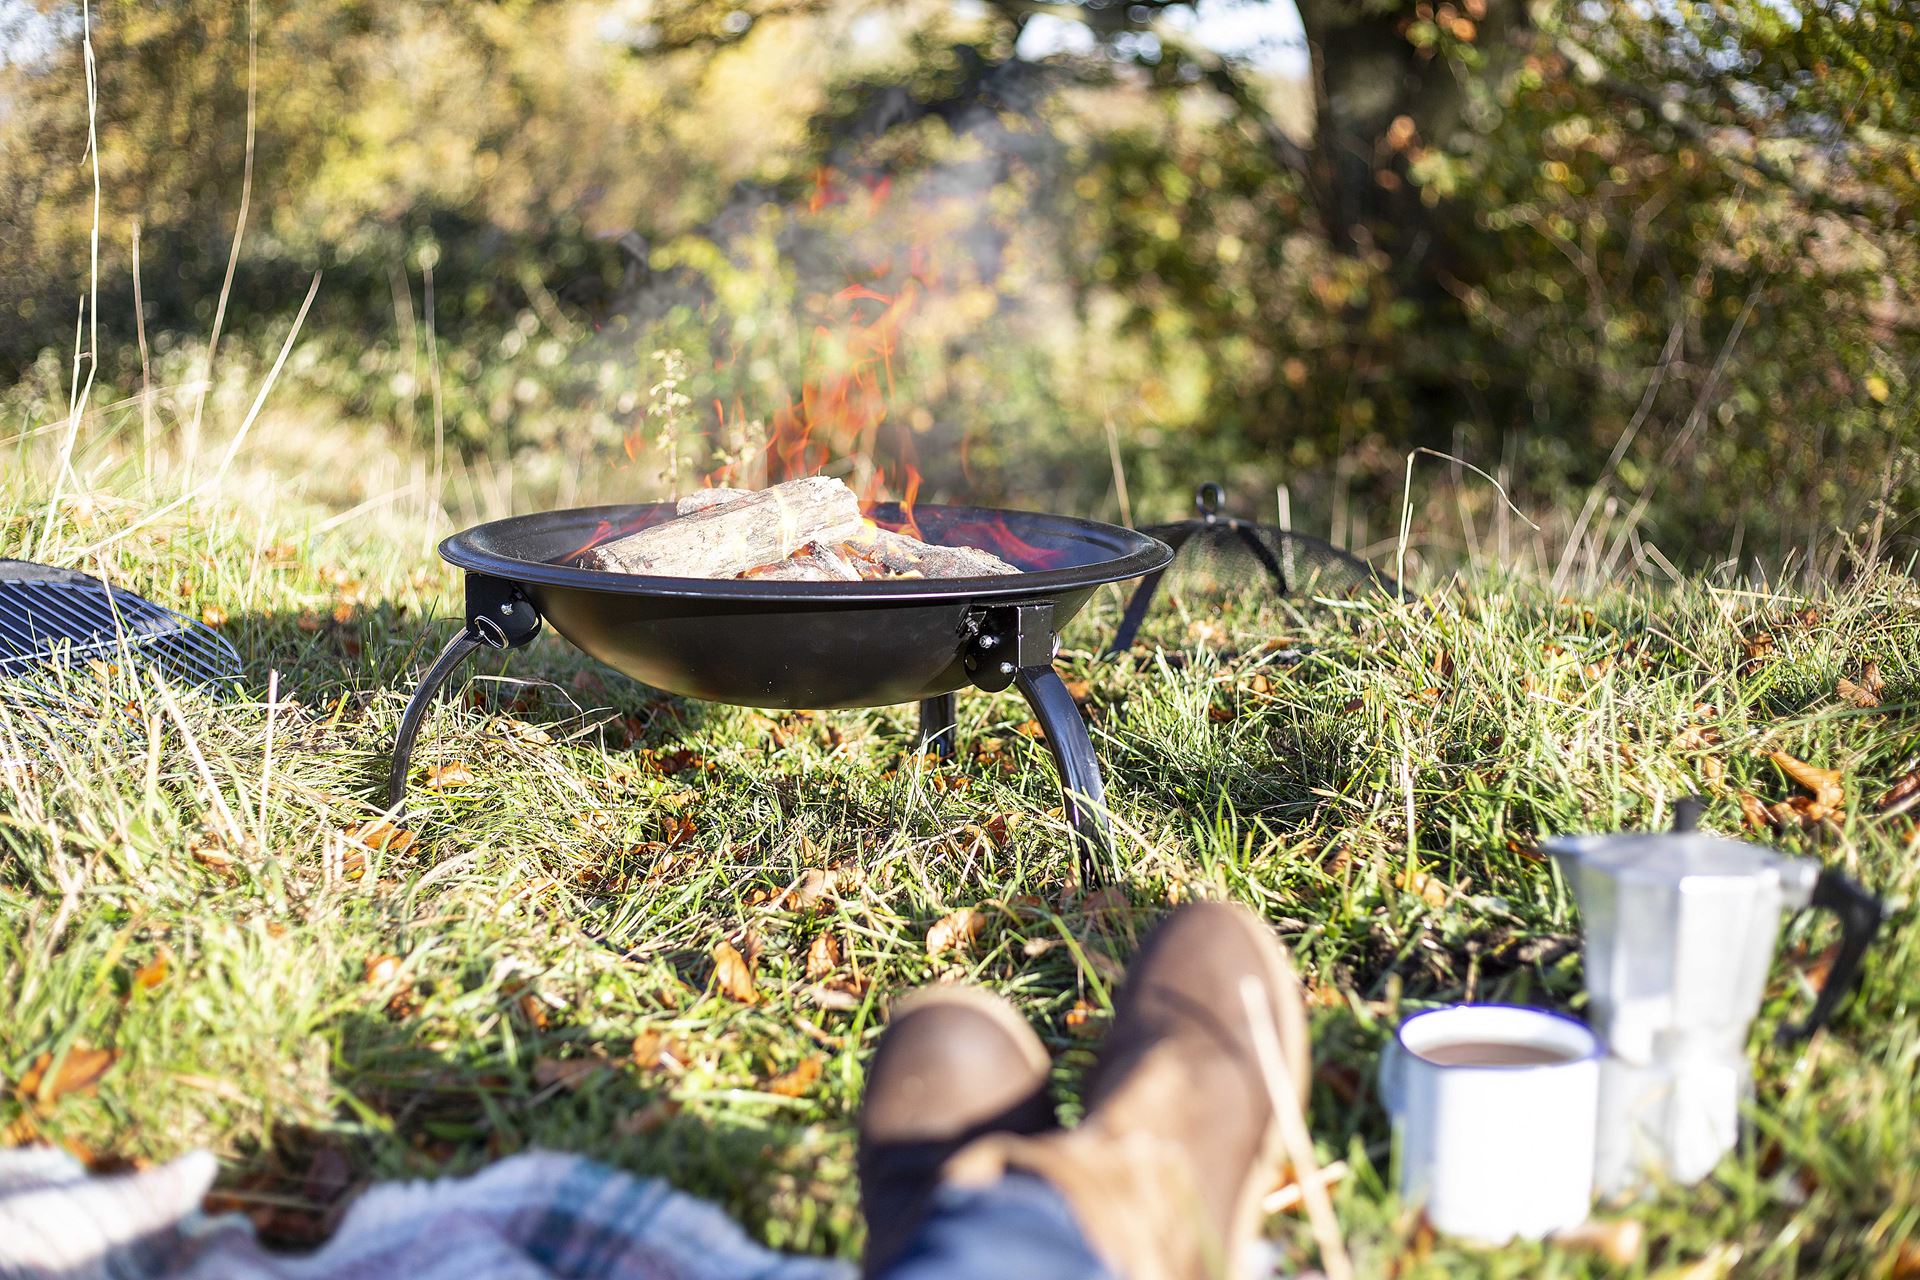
539	1215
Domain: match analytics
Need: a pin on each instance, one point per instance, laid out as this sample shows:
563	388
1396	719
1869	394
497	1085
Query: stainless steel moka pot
1679	931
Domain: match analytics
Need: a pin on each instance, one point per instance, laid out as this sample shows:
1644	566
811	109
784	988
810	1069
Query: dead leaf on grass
214	616
1824	783
648	1118
534	1010
1902	791
841	994
1854	694
79	1071
823	956
1083	1020
382	969
567	1073
518	731
679	829
154	972
652	1051
381	834
1754	815
456	774
732	975
956	931
797	1079
811	888
1430	890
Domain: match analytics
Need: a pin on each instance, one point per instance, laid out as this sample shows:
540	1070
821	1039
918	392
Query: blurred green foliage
1659	260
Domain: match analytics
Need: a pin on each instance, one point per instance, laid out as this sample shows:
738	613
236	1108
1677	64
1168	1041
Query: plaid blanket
535	1216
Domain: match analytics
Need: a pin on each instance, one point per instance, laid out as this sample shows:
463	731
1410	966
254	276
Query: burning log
896	555
815	563
727	539
801	531
706	498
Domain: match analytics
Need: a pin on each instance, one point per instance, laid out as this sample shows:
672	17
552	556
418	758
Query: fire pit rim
1138	553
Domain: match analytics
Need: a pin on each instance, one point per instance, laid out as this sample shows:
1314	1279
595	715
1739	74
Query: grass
194	886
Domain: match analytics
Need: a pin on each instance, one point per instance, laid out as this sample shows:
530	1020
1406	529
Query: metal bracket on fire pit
498	617
1014	645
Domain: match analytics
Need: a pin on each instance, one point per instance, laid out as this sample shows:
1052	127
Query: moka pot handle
1860	914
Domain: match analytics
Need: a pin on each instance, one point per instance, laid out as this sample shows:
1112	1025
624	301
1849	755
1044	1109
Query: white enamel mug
1501	1151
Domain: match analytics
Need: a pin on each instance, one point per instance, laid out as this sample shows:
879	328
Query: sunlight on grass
202	885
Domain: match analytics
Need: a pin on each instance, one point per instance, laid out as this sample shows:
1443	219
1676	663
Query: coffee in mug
1493	1053
1494	1108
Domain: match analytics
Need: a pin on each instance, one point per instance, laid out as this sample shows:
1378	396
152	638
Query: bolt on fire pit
809	645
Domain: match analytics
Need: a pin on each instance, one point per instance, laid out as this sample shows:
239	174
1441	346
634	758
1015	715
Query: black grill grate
53	618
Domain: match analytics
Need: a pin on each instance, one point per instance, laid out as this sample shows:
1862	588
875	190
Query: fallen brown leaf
812	887
732	975
1854	694
680	829
1428	889
381	834
534	1010
840	994
1219	714
956	931
1902	791
1871	679
1753	814
154	972
79	1071
797	1079
652	1051
382	969
214	616
823	955
1083	1020
648	1118
1824	783
567	1073
456	774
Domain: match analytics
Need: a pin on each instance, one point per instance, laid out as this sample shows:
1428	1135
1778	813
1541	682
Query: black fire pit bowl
816	645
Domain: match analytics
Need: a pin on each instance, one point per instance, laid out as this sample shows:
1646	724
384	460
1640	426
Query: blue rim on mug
1593	1052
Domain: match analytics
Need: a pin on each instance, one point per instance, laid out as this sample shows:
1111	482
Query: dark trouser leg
1018	1228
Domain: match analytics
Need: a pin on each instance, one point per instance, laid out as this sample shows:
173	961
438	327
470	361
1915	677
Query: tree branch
1673	114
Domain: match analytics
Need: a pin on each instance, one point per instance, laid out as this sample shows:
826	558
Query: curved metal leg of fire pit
498	617
1084	794
457	651
939	720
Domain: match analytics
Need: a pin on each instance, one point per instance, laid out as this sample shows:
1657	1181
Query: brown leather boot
955	1063
1181	1140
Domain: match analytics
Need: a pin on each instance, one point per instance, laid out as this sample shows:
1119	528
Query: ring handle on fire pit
498	617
